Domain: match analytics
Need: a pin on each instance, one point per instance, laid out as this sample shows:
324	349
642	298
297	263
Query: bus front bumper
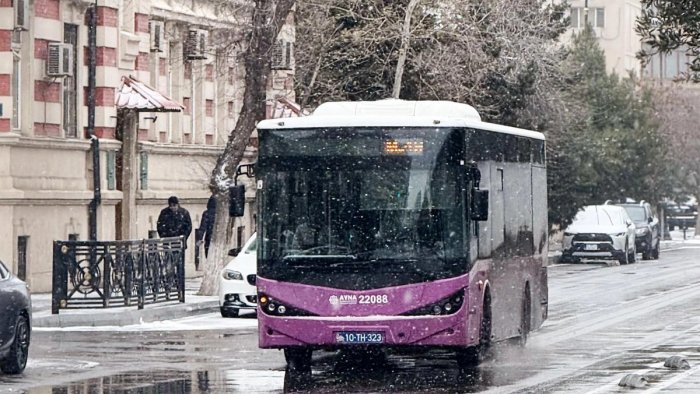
337	332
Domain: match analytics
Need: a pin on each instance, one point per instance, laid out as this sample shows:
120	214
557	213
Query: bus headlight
273	307
446	306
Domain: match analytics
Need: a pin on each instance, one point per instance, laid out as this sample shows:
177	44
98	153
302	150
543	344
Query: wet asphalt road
605	322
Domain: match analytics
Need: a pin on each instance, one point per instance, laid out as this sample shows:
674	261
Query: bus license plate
591	247
359	337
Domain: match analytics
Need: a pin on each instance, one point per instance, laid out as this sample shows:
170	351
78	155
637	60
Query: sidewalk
123	316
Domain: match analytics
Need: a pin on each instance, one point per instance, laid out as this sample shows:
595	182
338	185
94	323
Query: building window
70	85
596	17
209	107
231	75
186	104
16	80
231	111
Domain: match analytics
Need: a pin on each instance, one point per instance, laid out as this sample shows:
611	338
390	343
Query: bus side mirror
236	202
480	205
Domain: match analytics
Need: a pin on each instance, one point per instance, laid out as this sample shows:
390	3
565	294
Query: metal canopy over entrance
136	95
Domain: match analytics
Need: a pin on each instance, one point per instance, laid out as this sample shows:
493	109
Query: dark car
15	325
680	215
648	233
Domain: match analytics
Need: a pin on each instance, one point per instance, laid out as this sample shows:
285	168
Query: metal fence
103	274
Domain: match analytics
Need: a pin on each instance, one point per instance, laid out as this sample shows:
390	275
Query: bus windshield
352	201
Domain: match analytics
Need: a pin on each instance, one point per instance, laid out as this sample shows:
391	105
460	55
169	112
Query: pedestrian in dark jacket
174	221
206	227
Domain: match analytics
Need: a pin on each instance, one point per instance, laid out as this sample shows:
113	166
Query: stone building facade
187	50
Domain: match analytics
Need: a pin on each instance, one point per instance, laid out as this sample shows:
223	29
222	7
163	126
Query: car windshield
638	214
253	246
597	215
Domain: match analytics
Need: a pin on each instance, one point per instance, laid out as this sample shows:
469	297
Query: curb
553	258
123	317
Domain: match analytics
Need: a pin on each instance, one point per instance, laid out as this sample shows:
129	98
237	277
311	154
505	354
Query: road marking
658	387
598	319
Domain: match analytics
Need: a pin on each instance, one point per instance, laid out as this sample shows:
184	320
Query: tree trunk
267	20
405	41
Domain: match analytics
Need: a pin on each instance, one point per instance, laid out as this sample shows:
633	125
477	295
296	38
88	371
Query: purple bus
399	224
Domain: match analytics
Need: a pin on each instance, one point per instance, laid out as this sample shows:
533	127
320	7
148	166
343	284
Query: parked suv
648	233
600	232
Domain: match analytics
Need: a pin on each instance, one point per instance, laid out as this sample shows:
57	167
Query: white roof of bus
394	113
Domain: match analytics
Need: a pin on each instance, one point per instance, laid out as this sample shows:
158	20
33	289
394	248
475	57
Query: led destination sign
404	146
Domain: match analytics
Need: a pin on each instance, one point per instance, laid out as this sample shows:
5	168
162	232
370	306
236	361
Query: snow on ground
210	321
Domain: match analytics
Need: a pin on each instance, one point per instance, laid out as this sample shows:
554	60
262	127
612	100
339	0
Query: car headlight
566	234
232	275
642	231
619	235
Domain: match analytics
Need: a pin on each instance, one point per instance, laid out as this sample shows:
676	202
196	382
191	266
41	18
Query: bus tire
295	381
472	356
526	317
298	359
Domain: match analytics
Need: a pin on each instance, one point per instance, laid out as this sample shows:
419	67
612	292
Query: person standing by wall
174	221
206	227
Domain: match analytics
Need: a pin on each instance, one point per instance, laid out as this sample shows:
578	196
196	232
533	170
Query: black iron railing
103	274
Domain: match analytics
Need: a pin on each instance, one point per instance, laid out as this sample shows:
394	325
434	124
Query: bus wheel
298	359
297	375
472	356
526	317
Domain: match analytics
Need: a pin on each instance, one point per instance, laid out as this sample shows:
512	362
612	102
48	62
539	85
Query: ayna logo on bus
352	299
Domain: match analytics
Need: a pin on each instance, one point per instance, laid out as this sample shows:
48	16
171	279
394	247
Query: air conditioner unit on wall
157	29
21	14
59	62
196	44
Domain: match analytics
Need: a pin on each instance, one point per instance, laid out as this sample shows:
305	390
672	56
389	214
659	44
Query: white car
600	232
237	287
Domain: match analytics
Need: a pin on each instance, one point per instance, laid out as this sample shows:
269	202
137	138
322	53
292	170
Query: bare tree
678	114
405	41
268	16
456	50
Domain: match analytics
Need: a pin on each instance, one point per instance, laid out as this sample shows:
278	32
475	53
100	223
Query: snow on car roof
394	113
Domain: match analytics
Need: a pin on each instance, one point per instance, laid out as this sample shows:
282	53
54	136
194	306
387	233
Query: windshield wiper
312	259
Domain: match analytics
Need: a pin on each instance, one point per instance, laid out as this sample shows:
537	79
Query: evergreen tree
669	25
612	149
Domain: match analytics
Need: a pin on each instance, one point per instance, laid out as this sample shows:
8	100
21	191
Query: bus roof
394	113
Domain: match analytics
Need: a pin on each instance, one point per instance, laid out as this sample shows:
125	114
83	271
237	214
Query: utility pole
585	15
94	142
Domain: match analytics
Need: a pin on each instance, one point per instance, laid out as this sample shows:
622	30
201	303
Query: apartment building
613	22
187	51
